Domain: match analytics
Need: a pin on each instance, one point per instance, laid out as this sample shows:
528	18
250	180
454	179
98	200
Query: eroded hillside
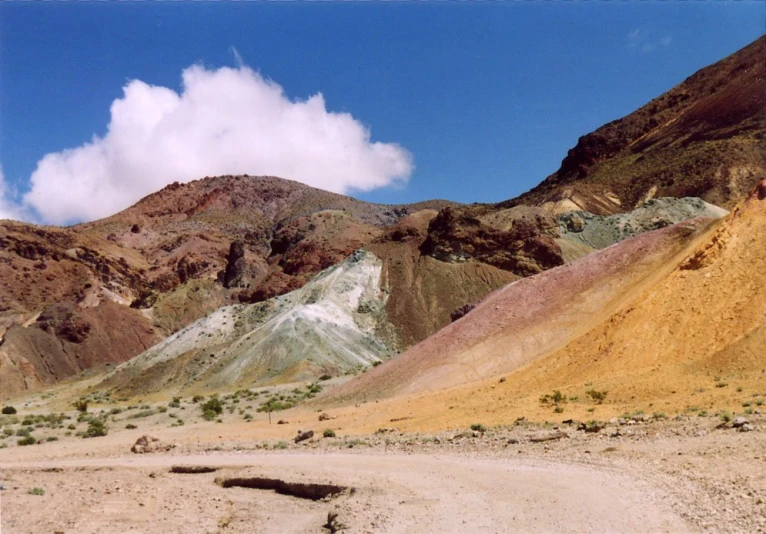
703	138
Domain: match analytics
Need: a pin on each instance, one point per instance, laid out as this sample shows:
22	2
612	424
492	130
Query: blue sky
486	98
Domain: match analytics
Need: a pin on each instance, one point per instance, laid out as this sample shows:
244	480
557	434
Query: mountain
189	249
360	312
704	138
682	308
168	260
326	327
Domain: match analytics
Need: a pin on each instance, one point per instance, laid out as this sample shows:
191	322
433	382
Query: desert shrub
130	426
28	440
141	414
36	491
280	445
478	427
328	433
51	438
24	431
96	428
175	403
554	398
725	416
275	405
558	409
213	405
197	398
209	415
597	396
80	405
325	377
8	410
7	432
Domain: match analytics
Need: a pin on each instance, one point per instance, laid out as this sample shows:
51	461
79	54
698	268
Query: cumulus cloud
224	121
8	208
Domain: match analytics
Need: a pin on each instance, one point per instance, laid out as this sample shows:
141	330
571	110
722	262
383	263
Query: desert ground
691	472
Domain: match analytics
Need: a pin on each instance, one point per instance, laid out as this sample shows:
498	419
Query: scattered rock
324	417
747	427
548	437
235	265
333	525
513	441
303	436
282	422
739	422
461	311
147	444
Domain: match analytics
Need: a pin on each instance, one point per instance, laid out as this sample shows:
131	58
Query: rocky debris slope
528	319
703	138
437	264
326	327
674	318
597	231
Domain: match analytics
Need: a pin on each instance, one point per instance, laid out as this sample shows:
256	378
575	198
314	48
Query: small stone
739	421
747	427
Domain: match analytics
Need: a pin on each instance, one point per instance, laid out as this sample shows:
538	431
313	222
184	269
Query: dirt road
392	493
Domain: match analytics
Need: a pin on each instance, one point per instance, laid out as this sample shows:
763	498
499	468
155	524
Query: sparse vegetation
556	398
80	405
597	396
328	433
8	410
96	428
213	406
478	427
28	440
36	491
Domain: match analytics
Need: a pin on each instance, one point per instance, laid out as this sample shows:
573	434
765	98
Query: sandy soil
668	476
393	493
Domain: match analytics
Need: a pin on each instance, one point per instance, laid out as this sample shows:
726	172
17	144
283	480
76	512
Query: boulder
739	422
303	436
146	444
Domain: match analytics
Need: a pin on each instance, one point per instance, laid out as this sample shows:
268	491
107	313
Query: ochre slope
690	340
702	325
530	318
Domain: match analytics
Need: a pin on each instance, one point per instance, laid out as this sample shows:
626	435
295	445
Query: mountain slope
665	316
326	327
529	318
704	138
166	261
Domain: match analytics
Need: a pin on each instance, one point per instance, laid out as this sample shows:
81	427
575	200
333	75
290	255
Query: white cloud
225	121
8	208
647	41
